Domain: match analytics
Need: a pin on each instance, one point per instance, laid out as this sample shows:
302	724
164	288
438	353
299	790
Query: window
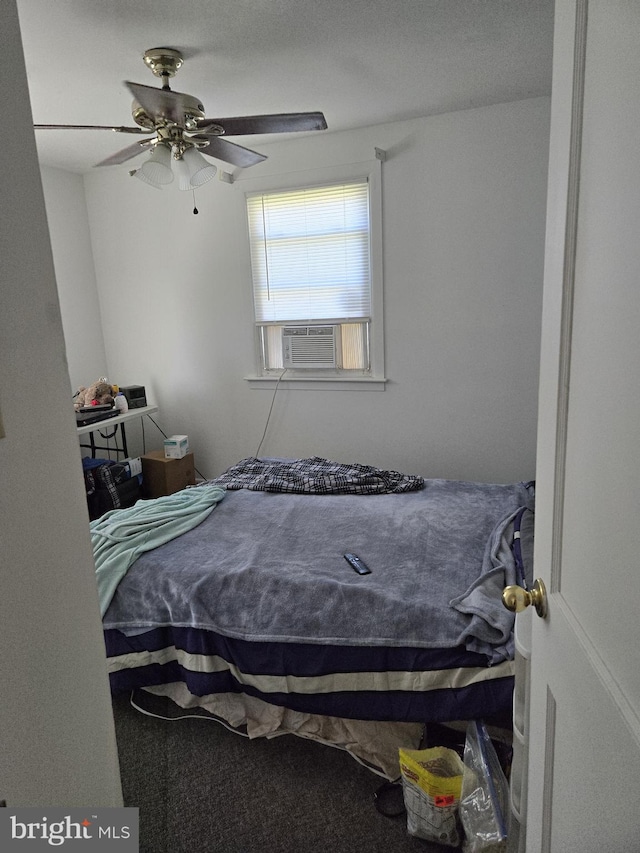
313	278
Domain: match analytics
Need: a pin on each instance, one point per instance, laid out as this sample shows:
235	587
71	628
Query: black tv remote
357	564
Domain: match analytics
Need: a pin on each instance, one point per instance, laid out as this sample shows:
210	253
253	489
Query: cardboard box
176	446
164	476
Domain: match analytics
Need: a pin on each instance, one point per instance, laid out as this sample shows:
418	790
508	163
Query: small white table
112	424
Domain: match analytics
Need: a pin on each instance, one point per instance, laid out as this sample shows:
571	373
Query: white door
584	742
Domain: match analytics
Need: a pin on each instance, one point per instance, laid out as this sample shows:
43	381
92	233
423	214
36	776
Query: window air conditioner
309	346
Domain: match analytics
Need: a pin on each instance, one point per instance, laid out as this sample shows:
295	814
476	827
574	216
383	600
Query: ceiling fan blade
126	153
89	127
231	152
163	103
274	123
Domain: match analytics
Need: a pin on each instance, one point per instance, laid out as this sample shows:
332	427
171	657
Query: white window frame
374	378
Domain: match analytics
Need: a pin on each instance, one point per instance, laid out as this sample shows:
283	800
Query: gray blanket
270	567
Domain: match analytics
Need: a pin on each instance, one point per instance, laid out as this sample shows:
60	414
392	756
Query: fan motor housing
192	109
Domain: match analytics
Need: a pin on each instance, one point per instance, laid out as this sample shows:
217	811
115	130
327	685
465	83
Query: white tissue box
176	446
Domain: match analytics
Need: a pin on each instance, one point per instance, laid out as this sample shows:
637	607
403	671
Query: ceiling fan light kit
193	170
156	171
184	133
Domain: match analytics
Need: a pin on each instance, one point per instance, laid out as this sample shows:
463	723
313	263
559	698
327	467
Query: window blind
310	253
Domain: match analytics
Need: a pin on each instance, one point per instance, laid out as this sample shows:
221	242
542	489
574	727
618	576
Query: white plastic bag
485	794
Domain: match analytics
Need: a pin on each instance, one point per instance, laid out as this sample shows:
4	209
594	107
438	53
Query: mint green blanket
120	536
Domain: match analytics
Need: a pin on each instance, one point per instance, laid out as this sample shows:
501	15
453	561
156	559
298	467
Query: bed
243	607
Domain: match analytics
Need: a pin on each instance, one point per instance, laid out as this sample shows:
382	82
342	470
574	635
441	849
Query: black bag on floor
109	486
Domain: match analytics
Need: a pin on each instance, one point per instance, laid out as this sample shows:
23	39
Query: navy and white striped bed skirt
355	682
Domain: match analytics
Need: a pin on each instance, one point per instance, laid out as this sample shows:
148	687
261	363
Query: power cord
389	798
266	426
273	399
107	437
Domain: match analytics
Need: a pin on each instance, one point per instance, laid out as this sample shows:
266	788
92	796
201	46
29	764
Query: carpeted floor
203	789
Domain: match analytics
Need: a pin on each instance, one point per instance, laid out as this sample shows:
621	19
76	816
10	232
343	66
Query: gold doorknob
517	599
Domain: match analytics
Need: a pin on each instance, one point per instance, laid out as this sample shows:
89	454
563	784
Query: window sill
319	383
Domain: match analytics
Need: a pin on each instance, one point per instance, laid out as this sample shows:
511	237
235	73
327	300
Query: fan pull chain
195	209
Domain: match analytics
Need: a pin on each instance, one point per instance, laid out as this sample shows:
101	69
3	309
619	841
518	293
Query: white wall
73	263
57	743
463	219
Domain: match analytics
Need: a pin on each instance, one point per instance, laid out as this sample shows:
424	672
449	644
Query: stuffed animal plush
97	394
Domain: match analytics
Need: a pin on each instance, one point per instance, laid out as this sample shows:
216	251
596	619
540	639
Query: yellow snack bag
431	785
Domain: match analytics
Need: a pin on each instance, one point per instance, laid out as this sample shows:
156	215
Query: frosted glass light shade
193	170
156	171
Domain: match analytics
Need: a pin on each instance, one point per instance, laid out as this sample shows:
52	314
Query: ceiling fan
183	132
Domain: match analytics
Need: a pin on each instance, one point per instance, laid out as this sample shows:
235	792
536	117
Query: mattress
258	600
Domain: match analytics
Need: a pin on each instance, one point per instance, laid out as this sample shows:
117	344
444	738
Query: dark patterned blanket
315	476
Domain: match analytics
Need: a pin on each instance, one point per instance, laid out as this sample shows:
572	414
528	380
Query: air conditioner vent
309	346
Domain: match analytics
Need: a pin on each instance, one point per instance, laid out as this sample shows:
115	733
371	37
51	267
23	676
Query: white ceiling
361	62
